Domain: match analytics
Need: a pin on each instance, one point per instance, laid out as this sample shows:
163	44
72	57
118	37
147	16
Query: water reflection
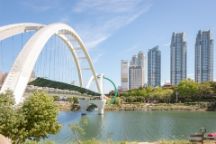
139	126
94	128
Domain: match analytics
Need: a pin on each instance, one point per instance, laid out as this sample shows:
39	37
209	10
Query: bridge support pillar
101	105
84	103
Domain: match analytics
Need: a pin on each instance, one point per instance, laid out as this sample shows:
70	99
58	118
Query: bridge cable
63	72
0	55
50	57
54	58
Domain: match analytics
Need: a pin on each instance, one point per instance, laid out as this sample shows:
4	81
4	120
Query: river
135	126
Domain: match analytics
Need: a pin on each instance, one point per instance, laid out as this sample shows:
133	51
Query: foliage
35	142
162	95
70	99
185	91
148	94
56	98
205	89
75	100
117	101
91	141
41	116
189	90
175	142
78	128
35	119
11	120
7	99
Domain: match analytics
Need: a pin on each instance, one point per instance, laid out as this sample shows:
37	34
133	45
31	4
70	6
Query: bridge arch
15	29
22	68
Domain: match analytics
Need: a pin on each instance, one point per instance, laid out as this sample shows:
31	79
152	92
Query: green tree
7	99
70	99
33	120
166	95
213	86
56	98
117	101
205	89
187	90
11	120
40	113
75	100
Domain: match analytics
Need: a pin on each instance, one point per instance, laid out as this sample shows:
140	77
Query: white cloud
97	58
114	6
93	43
120	14
107	16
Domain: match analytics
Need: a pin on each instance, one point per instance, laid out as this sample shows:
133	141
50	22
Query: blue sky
117	29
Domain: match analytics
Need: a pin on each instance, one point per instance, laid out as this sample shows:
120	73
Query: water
136	126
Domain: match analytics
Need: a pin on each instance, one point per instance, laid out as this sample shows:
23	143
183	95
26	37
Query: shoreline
156	107
197	107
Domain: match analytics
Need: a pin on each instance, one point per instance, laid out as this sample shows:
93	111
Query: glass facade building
204	49
178	58
154	67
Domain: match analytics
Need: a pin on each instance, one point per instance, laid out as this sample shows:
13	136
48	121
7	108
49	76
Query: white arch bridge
21	70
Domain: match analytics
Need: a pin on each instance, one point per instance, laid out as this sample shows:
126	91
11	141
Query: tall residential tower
178	58
204	49
154	67
136	71
124	75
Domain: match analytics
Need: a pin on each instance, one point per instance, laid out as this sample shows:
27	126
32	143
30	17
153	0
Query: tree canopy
34	119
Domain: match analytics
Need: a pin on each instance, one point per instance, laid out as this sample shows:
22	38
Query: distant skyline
117	29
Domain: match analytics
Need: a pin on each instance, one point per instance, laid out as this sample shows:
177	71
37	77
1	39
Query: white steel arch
21	70
15	29
100	78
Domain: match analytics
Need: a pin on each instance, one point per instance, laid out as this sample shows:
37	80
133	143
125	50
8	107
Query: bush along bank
187	95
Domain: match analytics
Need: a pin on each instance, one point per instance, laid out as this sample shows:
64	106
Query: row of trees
33	120
186	91
189	90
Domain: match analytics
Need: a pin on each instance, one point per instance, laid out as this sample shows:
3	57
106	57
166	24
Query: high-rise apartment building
178	58
154	67
136	77
204	49
124	75
136	71
140	59
133	60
